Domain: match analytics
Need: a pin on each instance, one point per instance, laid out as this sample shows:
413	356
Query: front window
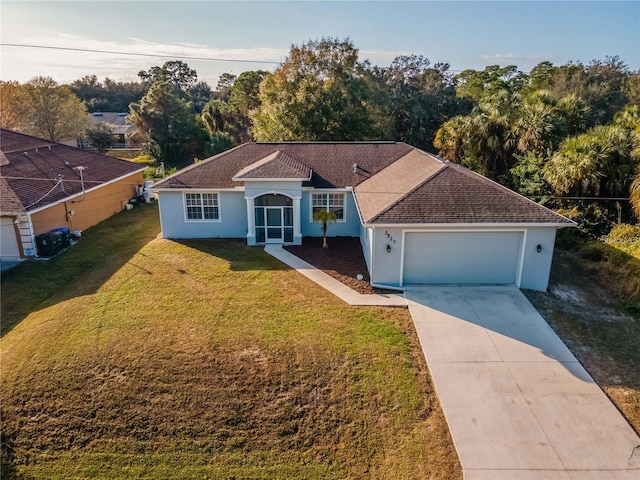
334	202
202	206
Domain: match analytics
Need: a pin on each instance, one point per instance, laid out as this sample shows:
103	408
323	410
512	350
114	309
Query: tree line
557	131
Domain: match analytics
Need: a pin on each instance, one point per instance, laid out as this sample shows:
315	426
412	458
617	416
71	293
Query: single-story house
120	129
46	185
420	219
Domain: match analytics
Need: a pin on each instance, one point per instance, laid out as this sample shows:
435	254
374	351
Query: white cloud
21	63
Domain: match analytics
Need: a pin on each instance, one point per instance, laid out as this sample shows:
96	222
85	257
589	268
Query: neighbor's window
202	206
334	202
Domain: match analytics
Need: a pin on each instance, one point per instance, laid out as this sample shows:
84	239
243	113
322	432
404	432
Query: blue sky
464	34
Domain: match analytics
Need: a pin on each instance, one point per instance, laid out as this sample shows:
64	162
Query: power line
133	54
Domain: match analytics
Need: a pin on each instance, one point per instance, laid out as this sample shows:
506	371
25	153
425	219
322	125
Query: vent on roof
36	150
355	168
123	114
97	114
25	154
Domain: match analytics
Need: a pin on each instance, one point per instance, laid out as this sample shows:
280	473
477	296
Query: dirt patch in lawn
593	323
343	260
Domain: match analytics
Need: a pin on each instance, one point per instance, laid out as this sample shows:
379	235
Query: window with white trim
202	206
334	202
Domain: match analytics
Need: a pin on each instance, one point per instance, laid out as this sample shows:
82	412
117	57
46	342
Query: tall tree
10	104
174	72
318	93
478	85
169	122
48	110
417	99
107	96
200	94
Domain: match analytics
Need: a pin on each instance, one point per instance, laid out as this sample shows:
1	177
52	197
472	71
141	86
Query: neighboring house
420	219
121	130
46	185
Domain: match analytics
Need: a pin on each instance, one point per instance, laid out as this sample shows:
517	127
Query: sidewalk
334	286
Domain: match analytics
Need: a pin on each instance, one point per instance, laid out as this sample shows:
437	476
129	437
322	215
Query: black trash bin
66	236
47	244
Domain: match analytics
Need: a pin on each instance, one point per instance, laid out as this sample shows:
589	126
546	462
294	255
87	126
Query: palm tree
449	139
324	216
634	193
536	123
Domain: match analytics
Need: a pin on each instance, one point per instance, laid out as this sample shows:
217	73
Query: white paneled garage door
8	243
462	257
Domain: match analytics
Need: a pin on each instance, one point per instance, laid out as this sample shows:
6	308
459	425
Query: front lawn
160	359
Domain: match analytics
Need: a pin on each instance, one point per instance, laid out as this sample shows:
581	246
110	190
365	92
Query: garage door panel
462	258
8	243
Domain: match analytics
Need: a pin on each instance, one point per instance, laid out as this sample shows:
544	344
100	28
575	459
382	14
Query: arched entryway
274	219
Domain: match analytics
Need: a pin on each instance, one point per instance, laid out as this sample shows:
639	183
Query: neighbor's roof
331	163
31	166
393	183
114	118
277	165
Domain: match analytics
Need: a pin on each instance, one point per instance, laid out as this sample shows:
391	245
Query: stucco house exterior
46	185
420	220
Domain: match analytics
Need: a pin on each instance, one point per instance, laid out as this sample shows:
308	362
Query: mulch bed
343	260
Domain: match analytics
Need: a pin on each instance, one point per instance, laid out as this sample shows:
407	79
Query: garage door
8	242
464	257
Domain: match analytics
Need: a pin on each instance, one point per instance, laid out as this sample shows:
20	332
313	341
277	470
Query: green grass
131	358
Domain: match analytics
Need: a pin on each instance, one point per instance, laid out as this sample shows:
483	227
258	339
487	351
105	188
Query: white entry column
297	233
251	222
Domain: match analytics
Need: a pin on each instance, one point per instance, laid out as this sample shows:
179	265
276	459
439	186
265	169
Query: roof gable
39	172
458	195
384	189
277	166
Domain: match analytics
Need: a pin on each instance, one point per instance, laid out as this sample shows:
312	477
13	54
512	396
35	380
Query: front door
273	219
274	224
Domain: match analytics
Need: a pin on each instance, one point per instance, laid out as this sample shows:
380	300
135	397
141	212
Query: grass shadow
79	270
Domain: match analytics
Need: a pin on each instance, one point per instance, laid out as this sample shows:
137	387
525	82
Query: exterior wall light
539	248
388	248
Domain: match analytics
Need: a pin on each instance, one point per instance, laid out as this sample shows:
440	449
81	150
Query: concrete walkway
336	287
518	403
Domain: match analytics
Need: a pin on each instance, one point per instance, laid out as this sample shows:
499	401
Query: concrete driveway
518	403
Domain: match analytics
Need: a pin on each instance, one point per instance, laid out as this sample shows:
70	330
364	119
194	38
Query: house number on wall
391	239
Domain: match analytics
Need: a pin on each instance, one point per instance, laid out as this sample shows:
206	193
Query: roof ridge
290	161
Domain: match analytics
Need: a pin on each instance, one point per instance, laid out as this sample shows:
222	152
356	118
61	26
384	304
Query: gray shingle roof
458	195
33	165
277	165
331	163
383	190
393	182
